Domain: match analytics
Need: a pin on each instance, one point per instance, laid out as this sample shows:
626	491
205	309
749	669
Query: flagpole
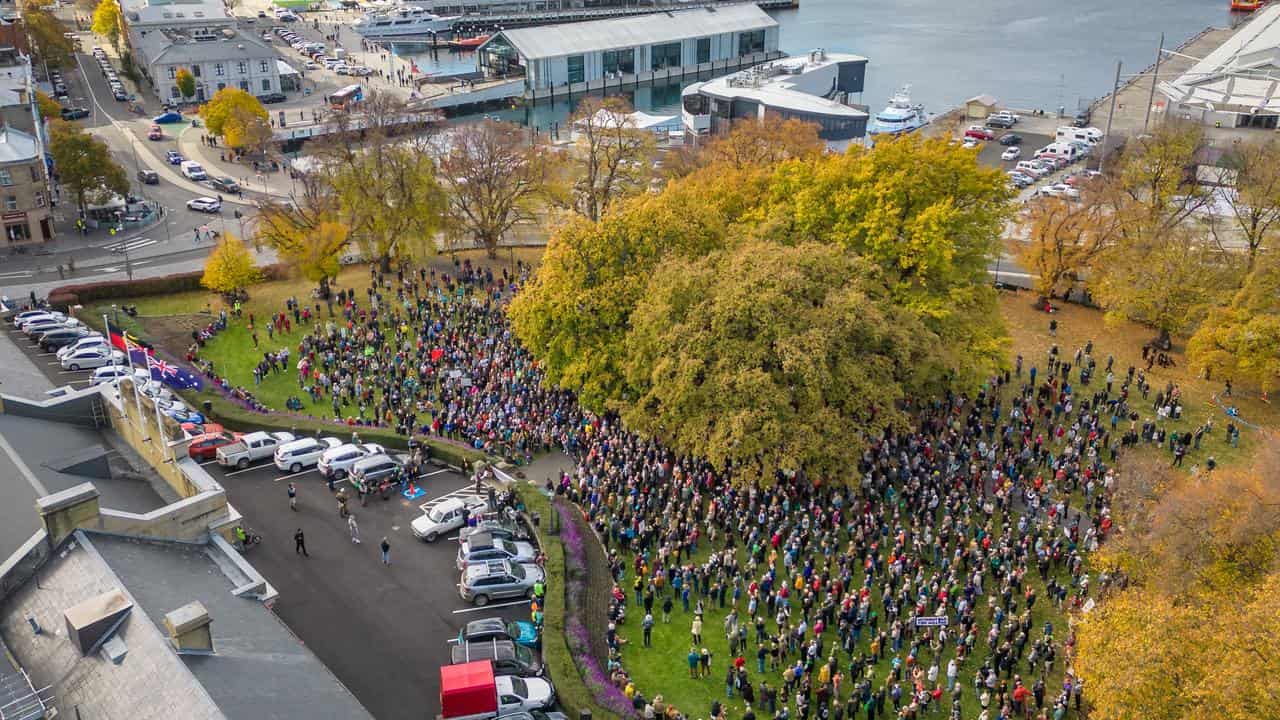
164	441
124	412
133	378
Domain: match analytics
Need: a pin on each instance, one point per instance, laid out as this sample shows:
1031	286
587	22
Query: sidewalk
272	184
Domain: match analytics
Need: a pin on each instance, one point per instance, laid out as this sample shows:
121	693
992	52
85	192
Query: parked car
494	628
167	117
446	517
359	71
507	657
372	469
148	177
1082	119
272	98
336	462
1010	139
38	316
174	157
119	94
74	113
205	446
997	121
482	547
478	694
303	453
498	579
1012	153
60	337
92	340
33	329
155	133
1061	190
496	527
18	318
1020	179
205	205
979	133
224	184
108	374
252	447
970	143
89	358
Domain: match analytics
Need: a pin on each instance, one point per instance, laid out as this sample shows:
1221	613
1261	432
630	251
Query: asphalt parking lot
383	630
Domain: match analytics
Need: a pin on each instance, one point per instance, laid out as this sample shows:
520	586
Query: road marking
73	372
245	470
131	244
17	274
286	477
45	354
208	462
489	607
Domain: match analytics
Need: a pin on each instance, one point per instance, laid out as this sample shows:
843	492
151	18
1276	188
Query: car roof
486	625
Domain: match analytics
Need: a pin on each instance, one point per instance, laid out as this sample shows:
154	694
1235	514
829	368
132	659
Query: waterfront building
586	56
817	87
1238	84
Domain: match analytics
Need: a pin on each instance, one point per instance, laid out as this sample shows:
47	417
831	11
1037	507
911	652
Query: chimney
188	628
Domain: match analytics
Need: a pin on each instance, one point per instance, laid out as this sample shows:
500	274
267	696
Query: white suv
336	462
294	456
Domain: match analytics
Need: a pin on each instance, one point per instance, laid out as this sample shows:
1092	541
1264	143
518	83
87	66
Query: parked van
1060	150
293	456
192	170
1091	135
1032	168
507	657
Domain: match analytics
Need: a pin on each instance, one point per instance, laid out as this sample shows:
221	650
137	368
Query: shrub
79	294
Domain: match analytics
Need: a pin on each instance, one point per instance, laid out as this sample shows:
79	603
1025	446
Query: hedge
69	295
572	691
227	412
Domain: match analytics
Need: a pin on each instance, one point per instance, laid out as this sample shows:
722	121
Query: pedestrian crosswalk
131	245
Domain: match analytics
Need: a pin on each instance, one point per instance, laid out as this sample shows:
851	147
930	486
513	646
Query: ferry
900	116
402	21
1246	5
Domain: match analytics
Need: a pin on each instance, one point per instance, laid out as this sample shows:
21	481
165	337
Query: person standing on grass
386	551
696	629
667	604
693	662
647	624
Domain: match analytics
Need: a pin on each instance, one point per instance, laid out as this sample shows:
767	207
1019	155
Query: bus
346	97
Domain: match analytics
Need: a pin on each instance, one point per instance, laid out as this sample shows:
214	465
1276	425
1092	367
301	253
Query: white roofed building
591	55
1236	85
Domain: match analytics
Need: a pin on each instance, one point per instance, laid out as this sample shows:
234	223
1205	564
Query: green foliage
635	314
1241	341
108	22
47	34
186	83
84	164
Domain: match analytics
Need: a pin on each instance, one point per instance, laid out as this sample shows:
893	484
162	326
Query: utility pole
1106	137
1155	78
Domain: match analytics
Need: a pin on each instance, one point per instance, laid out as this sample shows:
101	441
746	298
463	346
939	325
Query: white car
108	374
969	143
311	65
517	693
1012	153
28	319
27	315
336	462
34	329
92	340
1061	190
205	204
445	517
193	171
292	457
359	71
91	358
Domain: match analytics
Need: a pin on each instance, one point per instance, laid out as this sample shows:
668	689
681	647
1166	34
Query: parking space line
208	462
303	472
258	466
45	354
71	372
433	473
489	607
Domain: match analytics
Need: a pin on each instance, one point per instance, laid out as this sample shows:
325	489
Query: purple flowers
571	537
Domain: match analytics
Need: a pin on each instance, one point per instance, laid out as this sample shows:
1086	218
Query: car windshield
523	655
519	687
517	571
513	629
435	514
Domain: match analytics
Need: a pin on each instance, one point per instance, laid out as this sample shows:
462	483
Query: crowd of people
981	514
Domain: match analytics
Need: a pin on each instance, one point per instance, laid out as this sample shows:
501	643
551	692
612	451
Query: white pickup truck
252	447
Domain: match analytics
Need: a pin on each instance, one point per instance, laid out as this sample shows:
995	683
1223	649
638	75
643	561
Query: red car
194	429
979	133
205	447
155	133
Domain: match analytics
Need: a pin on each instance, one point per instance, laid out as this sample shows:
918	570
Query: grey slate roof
17	146
158	48
550	41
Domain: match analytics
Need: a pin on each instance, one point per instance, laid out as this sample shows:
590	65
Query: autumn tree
765	142
47	34
49	108
769	357
247	130
230	267
610	157
186	83
108	22
1152	188
493	181
1250	177
229	109
306	234
84	165
1241	340
1063	239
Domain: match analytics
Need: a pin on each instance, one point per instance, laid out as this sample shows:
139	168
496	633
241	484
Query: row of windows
244	85
661	57
220	69
6	177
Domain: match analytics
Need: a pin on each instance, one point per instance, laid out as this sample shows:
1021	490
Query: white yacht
402	21
900	116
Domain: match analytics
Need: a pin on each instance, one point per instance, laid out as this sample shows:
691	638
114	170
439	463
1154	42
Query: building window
750	42
242	67
263	66
222	86
620	61
6	179
195	70
266	85
704	50
11	202
665	56
173	92
219	70
577	69
244	85
173	73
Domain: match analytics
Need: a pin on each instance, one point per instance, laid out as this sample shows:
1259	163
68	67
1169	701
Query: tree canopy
186	83
1241	341
610	157
84	164
108	22
306	234
230	267
47	33
229	103
703	313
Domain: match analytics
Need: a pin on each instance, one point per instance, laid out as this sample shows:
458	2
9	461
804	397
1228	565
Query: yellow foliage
230	267
227	103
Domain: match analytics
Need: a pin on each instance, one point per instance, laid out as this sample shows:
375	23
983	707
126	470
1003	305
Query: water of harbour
1027	53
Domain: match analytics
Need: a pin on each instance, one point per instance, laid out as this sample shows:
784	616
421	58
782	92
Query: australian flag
143	355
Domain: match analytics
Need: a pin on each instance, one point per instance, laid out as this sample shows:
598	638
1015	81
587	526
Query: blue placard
931	621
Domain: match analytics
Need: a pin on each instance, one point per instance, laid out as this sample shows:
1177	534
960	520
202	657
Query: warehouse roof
551	41
1240	75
